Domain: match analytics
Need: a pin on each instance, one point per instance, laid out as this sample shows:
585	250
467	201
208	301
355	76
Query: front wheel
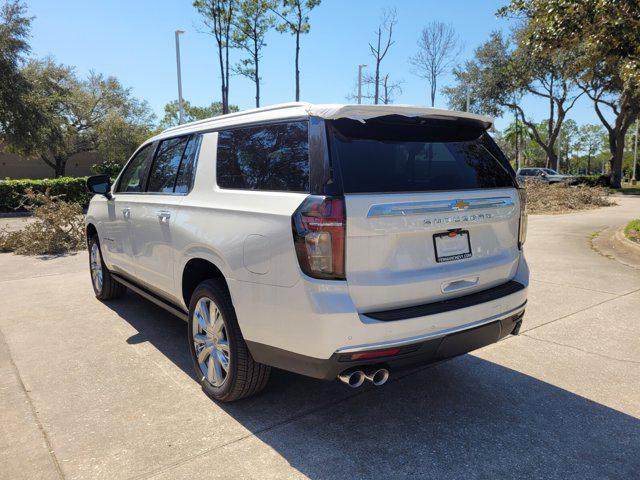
221	359
105	286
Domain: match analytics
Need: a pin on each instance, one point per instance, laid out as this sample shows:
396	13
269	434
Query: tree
191	112
218	17
388	89
383	42
17	118
499	75
438	48
252	23
514	134
604	38
295	20
590	142
567	144
79	115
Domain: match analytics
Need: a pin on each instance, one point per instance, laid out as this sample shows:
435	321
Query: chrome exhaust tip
352	378
378	377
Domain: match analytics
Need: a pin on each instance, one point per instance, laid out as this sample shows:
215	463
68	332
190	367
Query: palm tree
515	134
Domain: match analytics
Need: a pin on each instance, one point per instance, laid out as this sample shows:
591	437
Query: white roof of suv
329	111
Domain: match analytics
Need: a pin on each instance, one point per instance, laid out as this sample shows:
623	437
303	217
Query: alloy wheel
95	265
211	342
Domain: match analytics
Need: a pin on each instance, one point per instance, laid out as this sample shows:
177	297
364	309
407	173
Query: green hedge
73	188
596	180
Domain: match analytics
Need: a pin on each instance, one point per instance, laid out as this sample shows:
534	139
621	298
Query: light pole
180	103
468	98
360	67
635	155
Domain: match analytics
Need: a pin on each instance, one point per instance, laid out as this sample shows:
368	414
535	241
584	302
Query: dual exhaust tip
355	378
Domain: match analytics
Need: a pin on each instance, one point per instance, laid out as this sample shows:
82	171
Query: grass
632	230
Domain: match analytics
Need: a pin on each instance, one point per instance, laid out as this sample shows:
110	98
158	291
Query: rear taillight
522	228
319	235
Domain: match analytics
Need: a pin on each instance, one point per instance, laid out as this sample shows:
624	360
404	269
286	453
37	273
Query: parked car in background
546	175
334	241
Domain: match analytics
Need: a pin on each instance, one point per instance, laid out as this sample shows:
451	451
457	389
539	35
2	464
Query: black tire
245	376
110	288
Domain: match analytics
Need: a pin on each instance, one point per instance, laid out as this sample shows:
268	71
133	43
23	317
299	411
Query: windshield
549	171
384	156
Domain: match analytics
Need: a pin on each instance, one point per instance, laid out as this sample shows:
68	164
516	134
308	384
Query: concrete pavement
92	390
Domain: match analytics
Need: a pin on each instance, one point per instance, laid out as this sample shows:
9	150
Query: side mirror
543	174
100	185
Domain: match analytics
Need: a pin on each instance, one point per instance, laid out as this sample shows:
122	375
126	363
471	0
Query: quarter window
164	170
132	179
173	166
268	157
187	166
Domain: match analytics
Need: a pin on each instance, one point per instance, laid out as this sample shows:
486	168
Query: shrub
57	227
632	230
73	188
560	198
596	180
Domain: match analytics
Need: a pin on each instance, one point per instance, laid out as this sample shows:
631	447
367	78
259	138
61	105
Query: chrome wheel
95	265
211	342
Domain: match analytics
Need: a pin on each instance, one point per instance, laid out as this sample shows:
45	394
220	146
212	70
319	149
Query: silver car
546	175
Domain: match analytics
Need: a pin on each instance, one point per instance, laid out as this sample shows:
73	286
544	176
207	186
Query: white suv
335	241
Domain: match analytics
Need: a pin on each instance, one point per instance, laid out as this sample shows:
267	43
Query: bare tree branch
379	51
438	49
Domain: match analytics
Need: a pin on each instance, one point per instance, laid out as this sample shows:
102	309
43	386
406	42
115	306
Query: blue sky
134	40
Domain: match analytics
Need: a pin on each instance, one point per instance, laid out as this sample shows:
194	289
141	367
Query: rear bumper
412	352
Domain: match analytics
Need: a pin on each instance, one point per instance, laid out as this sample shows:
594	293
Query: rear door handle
126	213
164	216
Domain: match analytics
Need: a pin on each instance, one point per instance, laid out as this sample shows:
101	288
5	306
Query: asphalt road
92	390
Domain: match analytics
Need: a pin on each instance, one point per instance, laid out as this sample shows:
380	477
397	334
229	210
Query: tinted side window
164	170
269	157
132	179
187	166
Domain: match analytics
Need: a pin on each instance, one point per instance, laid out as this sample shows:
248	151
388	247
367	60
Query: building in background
15	167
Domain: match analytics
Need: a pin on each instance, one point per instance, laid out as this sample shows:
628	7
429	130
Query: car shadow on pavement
466	418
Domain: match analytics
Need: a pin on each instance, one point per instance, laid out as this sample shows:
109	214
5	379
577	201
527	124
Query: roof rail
279	106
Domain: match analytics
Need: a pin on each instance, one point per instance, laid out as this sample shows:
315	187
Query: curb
622	239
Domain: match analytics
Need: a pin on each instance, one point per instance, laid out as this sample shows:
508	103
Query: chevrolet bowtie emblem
460	205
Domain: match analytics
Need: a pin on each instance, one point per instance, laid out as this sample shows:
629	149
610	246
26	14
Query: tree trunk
223	85
256	59
433	90
616	160
589	164
552	159
61	165
297	66
225	100
376	97
517	143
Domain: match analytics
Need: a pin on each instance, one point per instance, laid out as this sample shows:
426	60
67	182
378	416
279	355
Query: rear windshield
395	154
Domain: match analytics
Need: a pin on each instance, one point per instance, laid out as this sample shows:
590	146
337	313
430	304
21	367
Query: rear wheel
105	286
221	359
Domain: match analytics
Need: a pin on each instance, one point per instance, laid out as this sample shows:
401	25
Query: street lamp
360	67
180	103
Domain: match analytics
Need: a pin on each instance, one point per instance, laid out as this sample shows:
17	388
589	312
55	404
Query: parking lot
93	390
